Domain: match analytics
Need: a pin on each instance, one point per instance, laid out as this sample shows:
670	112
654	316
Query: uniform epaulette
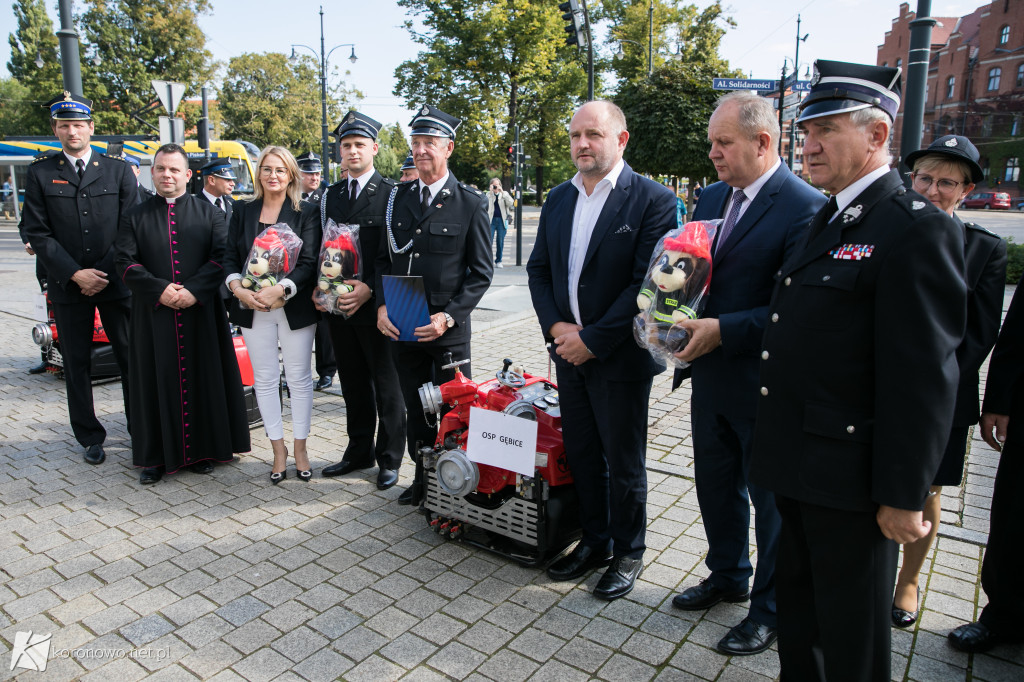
45	155
116	158
471	190
979	228
913	203
388	181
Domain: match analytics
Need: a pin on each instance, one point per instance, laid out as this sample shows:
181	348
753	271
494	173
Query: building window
1012	170
993	78
1004	35
950	87
1020	75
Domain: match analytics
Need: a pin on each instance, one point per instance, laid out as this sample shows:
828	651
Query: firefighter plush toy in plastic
273	253
339	261
677	279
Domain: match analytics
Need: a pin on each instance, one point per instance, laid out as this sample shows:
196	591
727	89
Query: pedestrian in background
499	211
282	314
945	173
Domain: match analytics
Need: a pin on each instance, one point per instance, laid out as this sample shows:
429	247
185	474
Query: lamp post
324	56
621	53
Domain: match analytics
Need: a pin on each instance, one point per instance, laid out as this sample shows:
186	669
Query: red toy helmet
271	242
693	240
343	242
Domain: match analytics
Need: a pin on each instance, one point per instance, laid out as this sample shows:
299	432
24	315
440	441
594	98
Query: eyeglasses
923	182
267	170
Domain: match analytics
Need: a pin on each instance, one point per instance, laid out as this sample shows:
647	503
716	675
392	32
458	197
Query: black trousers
323	350
604	428
75	323
1004	555
373	396
834	579
417	364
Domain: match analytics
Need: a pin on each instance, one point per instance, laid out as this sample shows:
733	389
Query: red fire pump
525	518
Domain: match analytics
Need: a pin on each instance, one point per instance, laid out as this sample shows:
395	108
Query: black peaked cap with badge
309	163
843	87
68	107
433	122
218	168
956	148
408	164
355	123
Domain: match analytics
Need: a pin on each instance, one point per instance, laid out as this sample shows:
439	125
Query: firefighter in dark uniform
218	183
133	161
408	169
857	381
437	229
73	204
366	367
313	188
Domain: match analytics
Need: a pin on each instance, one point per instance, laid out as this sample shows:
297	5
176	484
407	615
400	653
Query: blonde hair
294	189
941	162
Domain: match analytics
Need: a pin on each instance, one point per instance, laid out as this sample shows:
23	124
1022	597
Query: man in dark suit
766	210
436	228
857	384
1000	620
366	368
596	236
73	205
133	161
218	183
313	188
312	171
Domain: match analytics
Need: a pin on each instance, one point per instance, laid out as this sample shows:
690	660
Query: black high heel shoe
304	476
276	478
904	619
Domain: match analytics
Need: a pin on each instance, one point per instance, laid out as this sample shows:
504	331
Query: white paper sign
502	440
39	307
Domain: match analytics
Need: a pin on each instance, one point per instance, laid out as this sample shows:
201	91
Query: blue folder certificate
407	304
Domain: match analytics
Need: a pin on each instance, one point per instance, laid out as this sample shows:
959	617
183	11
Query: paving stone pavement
226	577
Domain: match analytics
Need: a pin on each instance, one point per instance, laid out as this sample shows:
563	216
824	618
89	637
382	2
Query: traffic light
511	156
576	29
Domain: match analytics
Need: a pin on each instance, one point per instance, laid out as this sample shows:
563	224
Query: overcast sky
846	30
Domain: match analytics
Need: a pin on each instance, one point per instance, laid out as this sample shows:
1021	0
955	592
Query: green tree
130	43
481	60
33	40
270	99
394	147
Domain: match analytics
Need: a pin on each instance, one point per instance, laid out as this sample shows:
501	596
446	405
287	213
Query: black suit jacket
450	249
229	204
242	232
859	372
1004	388
985	275
637	214
72	223
742	278
368	213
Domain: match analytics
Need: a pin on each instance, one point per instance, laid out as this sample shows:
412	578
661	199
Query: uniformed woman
945	173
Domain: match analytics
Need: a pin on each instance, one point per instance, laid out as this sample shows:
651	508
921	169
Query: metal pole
917	81
782	99
518	193
590	54
14	194
650	39
796	72
70	64
205	121
325	145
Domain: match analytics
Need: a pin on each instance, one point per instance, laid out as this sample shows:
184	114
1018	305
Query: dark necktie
220	204
80	165
731	219
822	218
353	191
425	202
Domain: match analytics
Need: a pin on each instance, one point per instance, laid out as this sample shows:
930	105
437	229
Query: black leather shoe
705	595
151	475
406	496
386	478
747	638
904	619
204	467
578	562
38	369
619	579
94	454
343	467
974	638
324	382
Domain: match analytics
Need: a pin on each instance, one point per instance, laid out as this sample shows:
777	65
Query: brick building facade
975	83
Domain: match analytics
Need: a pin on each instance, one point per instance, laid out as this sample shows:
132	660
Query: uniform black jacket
859	372
450	249
1004	389
242	232
72	223
368	213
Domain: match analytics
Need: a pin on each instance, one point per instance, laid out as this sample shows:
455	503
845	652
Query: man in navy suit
596	236
766	209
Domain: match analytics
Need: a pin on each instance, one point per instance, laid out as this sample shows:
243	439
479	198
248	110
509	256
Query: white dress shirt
846	196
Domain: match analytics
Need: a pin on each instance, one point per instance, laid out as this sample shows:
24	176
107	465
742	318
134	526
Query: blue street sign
759	85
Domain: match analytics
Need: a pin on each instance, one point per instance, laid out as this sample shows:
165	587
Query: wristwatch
449	321
288	291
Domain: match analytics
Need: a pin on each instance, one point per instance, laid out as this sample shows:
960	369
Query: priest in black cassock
190	411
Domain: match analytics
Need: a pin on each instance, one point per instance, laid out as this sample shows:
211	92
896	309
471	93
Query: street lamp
621	54
324	56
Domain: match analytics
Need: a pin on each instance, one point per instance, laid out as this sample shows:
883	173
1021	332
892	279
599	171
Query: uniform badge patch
951	142
917	205
852	251
852	213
